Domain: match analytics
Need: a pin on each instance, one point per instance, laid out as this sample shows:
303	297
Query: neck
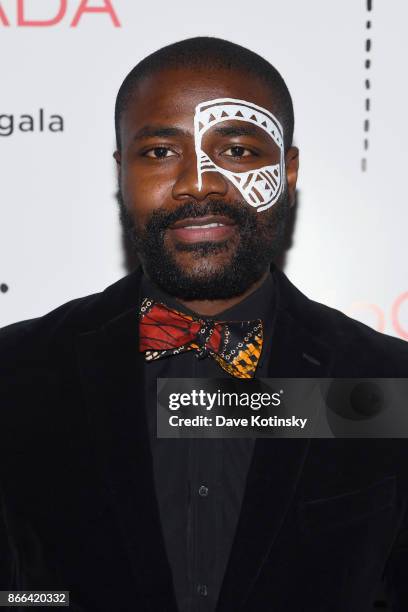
212	307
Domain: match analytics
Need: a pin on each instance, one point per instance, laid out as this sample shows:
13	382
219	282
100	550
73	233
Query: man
92	501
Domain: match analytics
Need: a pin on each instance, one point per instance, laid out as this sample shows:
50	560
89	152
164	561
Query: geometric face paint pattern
260	187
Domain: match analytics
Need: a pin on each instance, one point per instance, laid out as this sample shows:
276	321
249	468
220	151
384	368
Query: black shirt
200	482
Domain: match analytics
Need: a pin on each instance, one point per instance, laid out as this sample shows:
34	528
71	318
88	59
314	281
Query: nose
187	184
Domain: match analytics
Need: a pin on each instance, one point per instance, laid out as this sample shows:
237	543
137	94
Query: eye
159	153
238	151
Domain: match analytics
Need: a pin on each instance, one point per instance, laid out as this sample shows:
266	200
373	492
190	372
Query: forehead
171	96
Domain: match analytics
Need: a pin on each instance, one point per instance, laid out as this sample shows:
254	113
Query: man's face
194	223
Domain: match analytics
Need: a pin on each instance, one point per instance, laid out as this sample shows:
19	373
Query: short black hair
209	53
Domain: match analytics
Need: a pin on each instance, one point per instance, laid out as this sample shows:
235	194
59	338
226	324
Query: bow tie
235	345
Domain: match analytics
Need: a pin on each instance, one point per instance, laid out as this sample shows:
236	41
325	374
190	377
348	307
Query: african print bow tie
235	345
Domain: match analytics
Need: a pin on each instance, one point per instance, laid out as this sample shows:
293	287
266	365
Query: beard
261	241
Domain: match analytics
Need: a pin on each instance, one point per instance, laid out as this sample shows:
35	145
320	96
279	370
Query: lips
203	221
203	229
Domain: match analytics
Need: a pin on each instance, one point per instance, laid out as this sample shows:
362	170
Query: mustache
160	220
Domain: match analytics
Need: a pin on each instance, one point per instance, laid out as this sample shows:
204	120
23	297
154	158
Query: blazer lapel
276	464
112	379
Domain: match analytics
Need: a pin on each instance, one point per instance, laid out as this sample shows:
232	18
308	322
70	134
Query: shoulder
358	349
56	330
40	382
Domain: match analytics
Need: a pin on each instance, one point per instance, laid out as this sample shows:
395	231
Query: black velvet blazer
321	521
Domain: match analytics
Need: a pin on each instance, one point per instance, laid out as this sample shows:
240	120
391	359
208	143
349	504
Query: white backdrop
60	235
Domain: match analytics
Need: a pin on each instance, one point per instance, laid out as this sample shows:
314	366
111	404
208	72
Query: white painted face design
260	187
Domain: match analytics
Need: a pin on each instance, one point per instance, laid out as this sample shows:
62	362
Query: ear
117	157
292	167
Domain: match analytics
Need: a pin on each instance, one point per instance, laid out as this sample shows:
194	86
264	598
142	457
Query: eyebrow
244	130
162	131
159	131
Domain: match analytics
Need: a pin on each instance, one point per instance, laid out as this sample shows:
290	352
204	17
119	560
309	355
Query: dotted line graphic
367	83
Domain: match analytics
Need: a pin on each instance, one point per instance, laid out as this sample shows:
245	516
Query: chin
201	257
